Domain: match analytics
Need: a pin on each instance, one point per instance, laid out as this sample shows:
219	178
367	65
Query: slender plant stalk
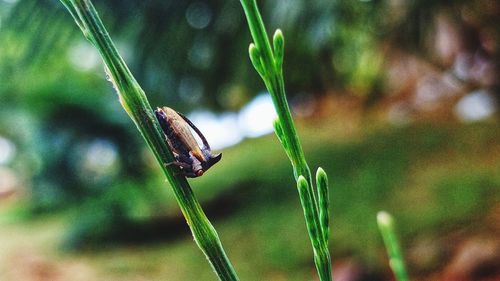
268	63
386	226
135	103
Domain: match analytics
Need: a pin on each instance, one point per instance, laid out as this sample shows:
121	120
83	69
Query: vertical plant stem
386	226
275	83
135	103
268	63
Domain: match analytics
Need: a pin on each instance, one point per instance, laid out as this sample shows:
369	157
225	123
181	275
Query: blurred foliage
191	52
435	178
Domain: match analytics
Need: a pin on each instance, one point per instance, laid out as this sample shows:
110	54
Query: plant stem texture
135	103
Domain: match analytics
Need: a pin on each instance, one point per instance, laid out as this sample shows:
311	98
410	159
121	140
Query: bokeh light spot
198	15
190	89
476	106
83	56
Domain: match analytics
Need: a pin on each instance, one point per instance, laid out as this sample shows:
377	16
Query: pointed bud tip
277	33
278	46
384	218
253	51
278	38
254	54
321	178
302	182
320	172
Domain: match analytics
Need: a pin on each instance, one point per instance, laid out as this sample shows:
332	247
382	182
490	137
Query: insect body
192	159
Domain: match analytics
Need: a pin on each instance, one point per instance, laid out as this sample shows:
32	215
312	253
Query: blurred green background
396	100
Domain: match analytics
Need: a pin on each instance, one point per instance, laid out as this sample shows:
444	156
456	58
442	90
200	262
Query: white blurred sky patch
7	151
219	130
476	106
222	130
256	118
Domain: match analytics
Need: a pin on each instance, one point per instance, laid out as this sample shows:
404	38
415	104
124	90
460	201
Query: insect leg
190	174
178	164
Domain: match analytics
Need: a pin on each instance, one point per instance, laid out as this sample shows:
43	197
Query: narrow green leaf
321	253
386	226
281	137
323	202
309	210
279	46
256	59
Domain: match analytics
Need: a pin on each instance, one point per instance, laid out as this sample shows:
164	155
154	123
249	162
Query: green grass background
432	178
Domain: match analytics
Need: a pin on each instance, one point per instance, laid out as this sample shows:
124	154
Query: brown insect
192	159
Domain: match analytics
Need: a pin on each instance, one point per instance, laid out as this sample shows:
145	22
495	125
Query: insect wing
210	159
182	133
198	132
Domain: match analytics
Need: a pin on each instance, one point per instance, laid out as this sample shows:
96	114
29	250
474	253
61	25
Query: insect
192	159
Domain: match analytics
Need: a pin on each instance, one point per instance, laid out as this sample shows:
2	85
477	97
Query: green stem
275	83
269	65
135	103
396	261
